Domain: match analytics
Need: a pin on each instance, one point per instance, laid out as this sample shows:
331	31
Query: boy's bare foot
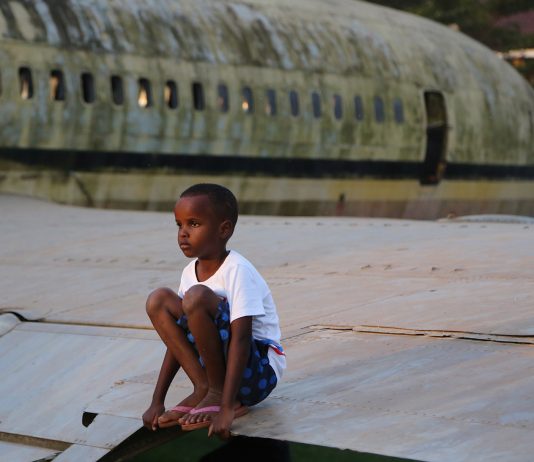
172	416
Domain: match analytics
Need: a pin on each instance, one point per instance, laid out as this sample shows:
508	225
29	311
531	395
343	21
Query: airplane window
144	96
222	98
117	92
170	94
294	102
338	107
88	87
248	101
270	102
57	85
26	83
316	104
198	96
379	109
358	108
398	111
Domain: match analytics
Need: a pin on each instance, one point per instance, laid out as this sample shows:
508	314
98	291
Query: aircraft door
434	163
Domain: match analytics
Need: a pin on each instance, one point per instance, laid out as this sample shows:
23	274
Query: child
222	326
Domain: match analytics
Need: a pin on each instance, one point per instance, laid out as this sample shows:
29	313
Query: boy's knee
198	297
156	300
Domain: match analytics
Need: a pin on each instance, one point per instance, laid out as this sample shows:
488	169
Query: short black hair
223	200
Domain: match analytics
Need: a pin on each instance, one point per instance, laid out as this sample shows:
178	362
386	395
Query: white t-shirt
248	295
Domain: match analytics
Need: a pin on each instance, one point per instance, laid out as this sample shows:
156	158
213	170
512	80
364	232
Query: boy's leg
200	305
164	307
257	382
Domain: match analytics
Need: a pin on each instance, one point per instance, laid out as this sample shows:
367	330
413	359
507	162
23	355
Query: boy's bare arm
168	370
238	351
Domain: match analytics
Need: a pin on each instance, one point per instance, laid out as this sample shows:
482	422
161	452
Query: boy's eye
195	224
179	224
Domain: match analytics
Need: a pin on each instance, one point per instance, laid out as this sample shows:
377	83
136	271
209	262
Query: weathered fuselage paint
341	47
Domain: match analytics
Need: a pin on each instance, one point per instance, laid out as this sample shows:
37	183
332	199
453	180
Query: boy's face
201	232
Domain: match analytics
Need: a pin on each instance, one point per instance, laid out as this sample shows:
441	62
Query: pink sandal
171	423
240	411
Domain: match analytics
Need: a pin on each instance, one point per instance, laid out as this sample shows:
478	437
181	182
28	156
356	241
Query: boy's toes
204	417
171	416
199	418
188	419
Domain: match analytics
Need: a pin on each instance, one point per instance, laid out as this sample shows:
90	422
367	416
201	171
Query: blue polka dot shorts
259	378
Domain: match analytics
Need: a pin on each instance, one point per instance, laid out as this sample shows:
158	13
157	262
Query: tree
475	18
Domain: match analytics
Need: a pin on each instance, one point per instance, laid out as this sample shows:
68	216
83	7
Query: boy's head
222	199
206	215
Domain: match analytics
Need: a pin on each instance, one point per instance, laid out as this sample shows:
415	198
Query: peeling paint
52	34
347	48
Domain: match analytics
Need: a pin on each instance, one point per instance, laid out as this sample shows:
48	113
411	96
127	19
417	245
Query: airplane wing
405	338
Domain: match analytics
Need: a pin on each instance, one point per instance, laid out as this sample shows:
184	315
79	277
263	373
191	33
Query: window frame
30	90
294	103
58	90
198	96
223	98
170	94
116	86
271	106
359	111
337	108
247	95
316	104
379	109
87	86
398	111
144	86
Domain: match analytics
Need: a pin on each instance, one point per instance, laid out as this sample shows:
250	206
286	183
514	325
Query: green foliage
505	7
475	18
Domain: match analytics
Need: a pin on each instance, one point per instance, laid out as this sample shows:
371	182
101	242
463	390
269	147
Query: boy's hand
221	423
150	417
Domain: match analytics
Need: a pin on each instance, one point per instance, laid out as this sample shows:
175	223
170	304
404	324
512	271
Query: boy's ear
226	229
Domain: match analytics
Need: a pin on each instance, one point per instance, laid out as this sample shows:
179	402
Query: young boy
222	326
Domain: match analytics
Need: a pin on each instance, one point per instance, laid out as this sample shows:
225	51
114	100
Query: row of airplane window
145	97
